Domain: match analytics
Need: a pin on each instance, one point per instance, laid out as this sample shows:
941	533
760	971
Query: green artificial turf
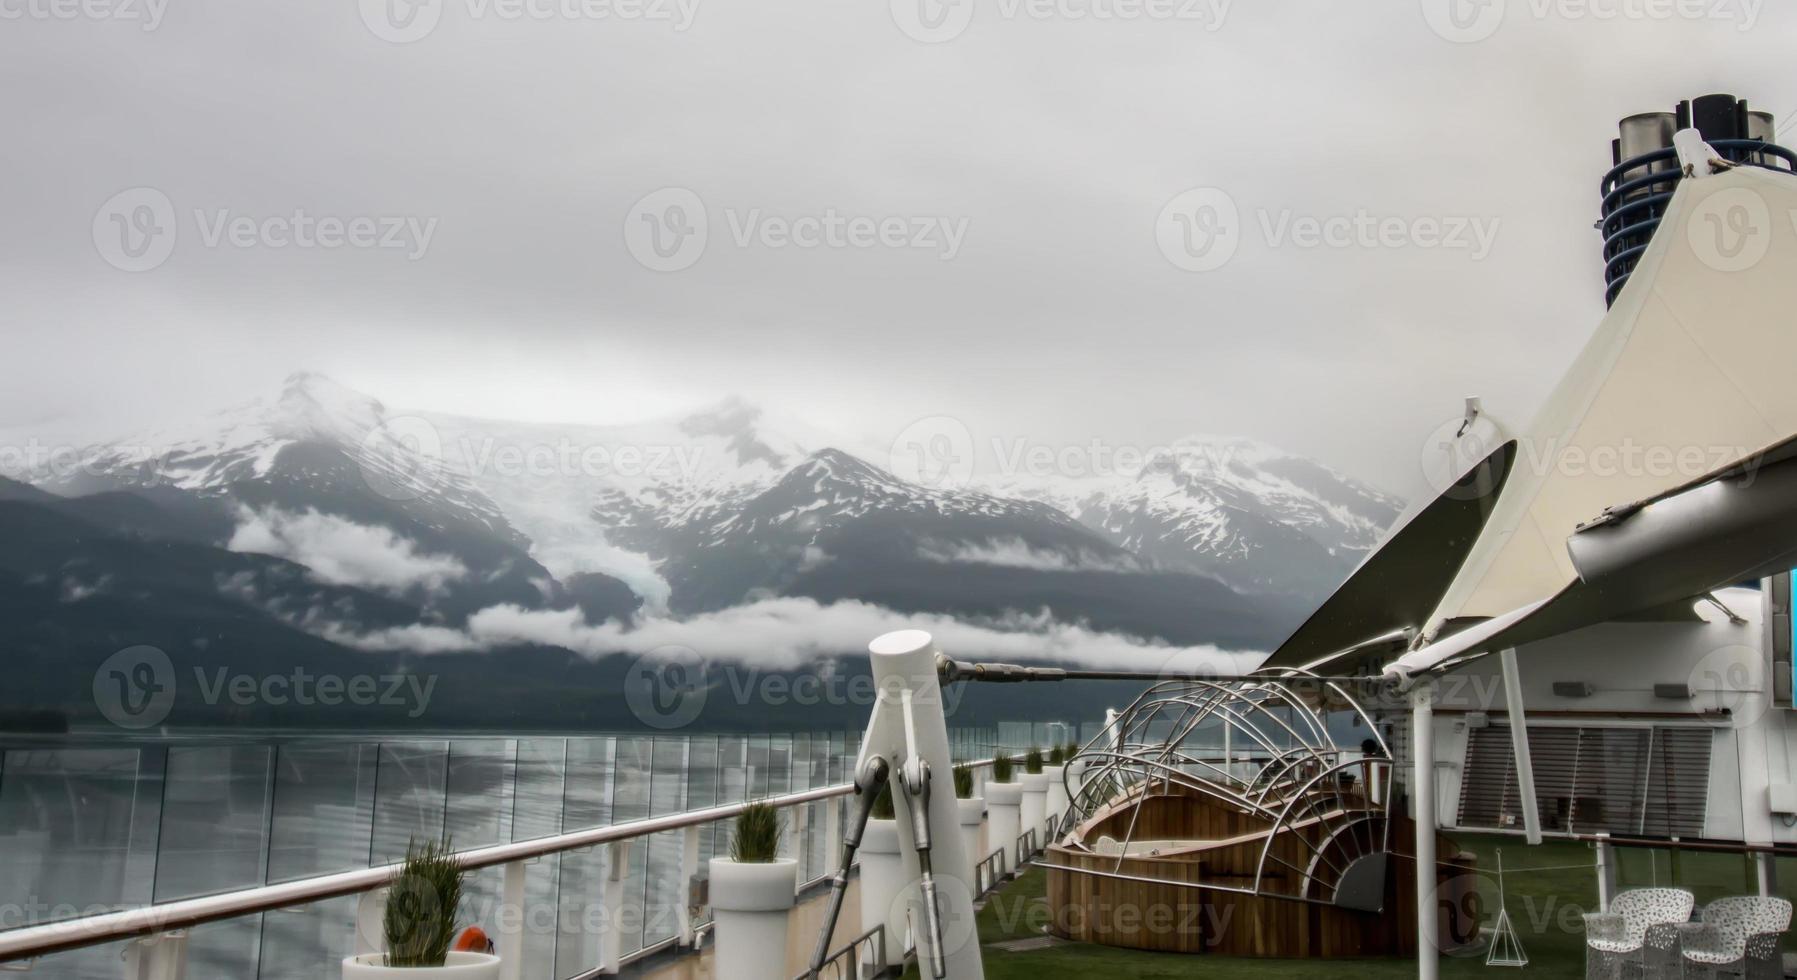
1547	889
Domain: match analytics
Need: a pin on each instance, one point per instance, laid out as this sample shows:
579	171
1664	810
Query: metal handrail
149	920
852	951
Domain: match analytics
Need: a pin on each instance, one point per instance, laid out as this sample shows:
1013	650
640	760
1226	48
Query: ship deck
1547	889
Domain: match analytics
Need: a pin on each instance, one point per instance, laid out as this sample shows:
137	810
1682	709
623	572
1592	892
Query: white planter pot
1057	790
751	909
972	814
456	966
1035	802
1002	819
882	879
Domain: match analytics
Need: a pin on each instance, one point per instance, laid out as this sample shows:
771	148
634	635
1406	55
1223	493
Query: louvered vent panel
1623	780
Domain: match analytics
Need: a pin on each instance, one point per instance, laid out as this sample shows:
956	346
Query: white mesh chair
1638	937
1737	937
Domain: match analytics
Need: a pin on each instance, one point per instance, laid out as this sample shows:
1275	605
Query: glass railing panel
665	890
799	778
702	785
630	801
215	822
733	770
587	784
838	761
73	833
581	914
536	813
323	810
409	797
819	763
586	802
703	790
92	963
482	890
481	799
1707	875
537	803
779	765
758	766
542	916
233	948
308	941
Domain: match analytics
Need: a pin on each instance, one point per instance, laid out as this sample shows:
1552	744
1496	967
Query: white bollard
1056	804
1004	820
751	909
1034	809
973	815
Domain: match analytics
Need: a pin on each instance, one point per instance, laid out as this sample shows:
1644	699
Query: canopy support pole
1422	741
1519	746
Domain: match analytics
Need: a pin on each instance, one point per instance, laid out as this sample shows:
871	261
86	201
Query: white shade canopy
1689	373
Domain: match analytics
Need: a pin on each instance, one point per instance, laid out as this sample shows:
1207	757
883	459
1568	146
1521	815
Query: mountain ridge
715	507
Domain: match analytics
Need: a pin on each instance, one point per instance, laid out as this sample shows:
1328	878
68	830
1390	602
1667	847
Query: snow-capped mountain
601	498
327	477
707	510
1245	513
833	510
319	527
262	442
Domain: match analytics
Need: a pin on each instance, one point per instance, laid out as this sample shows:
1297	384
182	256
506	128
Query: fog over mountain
317	524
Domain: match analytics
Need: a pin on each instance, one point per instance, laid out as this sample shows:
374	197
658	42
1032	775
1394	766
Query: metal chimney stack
1645	171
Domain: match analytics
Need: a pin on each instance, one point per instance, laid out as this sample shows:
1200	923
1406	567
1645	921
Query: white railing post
1606	871
1422	802
510	941
159	957
689	869
611	935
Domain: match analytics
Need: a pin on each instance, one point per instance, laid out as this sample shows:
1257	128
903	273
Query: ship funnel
1646	170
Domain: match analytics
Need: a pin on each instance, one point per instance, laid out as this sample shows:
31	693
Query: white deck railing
161	928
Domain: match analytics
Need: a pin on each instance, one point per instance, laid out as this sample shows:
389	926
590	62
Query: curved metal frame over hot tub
1290	846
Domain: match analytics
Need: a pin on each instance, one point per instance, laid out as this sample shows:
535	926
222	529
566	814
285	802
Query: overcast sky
1047	278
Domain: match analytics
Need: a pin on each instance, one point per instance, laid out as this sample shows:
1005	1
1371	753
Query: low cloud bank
788	632
1017	553
342	552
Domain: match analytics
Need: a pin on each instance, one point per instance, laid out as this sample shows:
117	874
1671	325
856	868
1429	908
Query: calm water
92	822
